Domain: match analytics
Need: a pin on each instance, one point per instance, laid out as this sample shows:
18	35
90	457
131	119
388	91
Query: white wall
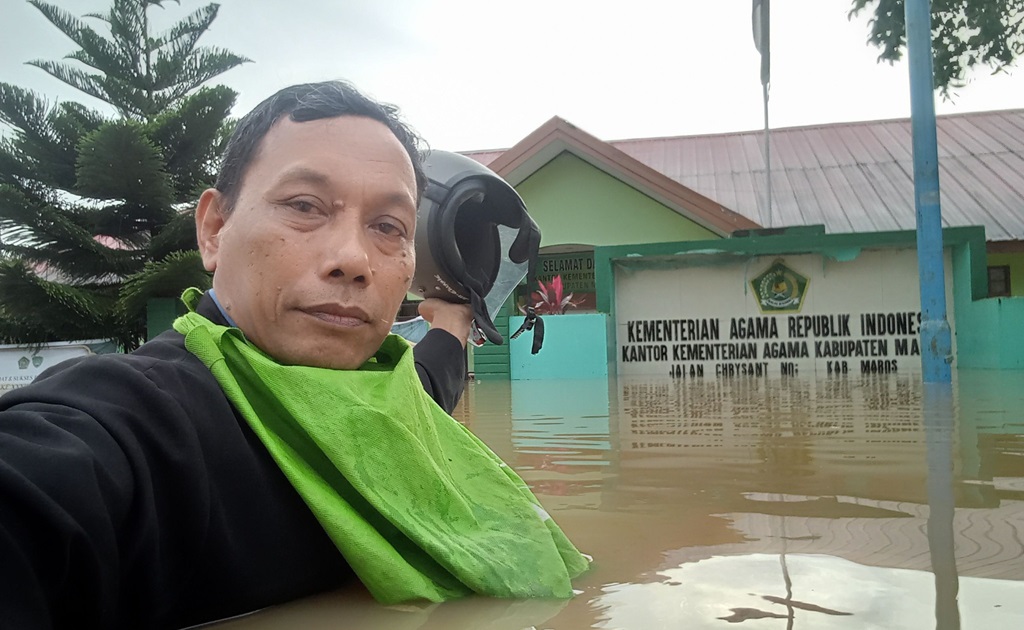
20	365
696	299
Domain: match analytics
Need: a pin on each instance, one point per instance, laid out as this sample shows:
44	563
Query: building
649	233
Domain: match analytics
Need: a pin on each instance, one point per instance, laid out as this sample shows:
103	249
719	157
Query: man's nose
347	253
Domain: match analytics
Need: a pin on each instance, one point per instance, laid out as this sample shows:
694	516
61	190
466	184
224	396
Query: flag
761	20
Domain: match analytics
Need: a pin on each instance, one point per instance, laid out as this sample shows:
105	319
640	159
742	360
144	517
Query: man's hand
453	318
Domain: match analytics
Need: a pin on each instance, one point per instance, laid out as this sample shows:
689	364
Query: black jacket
132	495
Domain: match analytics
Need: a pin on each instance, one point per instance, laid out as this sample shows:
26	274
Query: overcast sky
479	74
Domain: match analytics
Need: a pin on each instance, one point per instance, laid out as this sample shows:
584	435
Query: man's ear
210	219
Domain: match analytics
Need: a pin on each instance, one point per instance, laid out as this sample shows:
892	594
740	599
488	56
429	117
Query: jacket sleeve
77	508
441	365
63	487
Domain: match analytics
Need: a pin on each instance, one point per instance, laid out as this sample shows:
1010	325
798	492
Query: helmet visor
510	272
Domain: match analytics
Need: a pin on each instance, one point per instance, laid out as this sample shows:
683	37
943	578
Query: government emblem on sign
779	288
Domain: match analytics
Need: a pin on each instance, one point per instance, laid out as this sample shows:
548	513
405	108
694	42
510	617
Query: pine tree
96	210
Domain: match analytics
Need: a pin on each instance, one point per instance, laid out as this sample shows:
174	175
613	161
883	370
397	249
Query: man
206	474
316	269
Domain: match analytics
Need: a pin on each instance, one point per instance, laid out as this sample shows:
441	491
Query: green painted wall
989	334
574	348
491	361
1016	264
574	202
161	313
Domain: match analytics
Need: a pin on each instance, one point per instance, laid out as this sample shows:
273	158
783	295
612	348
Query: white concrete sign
19	365
773	316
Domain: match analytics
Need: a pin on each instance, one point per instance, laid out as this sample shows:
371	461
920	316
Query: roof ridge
832	125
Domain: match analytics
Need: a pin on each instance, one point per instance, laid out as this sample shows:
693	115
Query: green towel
418	506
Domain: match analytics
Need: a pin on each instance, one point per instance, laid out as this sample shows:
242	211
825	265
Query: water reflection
764	503
824	593
845	468
937	407
561	437
564	420
354	608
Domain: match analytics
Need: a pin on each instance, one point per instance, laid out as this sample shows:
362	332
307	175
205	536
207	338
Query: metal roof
852	177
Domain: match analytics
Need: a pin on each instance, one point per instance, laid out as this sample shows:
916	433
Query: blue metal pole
936	340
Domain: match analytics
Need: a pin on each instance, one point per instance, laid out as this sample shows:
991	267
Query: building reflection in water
561	438
663	480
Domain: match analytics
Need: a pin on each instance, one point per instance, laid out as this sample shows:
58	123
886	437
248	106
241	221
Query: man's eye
389	229
302	206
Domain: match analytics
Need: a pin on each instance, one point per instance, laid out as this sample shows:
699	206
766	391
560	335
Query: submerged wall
574	348
991	332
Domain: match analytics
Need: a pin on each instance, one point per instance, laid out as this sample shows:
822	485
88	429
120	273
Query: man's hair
303	103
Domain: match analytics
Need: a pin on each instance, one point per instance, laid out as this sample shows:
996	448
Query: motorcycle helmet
475	241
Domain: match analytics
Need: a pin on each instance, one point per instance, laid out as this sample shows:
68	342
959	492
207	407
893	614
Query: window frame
1005	269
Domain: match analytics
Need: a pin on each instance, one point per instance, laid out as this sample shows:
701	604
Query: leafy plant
95	209
966	34
549	299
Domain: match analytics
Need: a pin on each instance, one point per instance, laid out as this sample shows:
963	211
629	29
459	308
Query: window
999	281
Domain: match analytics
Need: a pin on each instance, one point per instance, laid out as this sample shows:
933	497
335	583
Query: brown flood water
759	504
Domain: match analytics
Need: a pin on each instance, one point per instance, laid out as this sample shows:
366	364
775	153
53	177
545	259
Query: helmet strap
533	321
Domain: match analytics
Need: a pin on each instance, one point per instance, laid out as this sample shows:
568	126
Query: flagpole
767	155
761	23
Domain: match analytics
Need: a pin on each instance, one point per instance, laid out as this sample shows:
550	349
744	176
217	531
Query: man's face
317	255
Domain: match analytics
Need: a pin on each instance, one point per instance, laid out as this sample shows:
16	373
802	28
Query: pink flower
549	299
